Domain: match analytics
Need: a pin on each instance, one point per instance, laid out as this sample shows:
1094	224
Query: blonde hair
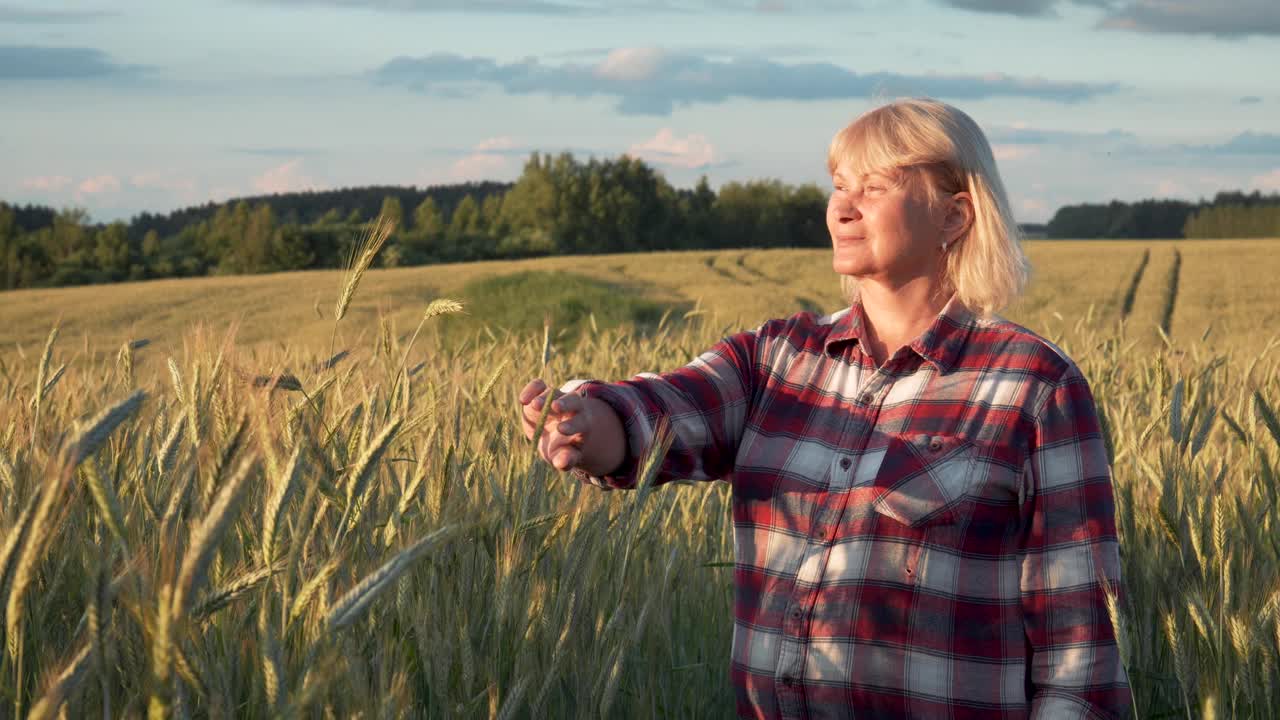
941	145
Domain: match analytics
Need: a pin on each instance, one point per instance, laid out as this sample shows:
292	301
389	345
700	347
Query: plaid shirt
924	539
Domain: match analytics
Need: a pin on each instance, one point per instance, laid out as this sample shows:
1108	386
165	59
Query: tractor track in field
1171	293
1147	303
1126	306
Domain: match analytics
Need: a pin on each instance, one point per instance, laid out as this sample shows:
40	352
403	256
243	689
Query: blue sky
131	105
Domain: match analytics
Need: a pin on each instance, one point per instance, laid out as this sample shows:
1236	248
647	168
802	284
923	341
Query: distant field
1227	287
181	536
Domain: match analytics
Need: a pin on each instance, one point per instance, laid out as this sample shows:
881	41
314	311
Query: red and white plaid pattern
925	539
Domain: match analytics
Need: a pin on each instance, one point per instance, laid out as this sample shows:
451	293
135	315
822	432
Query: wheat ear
205	538
349	607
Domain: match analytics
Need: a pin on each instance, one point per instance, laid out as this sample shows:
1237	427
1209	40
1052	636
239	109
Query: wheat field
1226	286
239	497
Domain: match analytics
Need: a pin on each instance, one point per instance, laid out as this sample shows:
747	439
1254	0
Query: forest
559	205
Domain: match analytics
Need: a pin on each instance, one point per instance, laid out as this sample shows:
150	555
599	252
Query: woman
922	502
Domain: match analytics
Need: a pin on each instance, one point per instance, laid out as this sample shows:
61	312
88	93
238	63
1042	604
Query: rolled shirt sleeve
1068	543
706	402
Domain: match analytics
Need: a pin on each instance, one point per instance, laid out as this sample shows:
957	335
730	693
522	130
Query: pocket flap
924	478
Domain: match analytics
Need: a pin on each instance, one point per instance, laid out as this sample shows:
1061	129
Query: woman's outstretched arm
706	403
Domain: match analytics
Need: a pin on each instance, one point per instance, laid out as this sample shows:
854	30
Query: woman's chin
845	267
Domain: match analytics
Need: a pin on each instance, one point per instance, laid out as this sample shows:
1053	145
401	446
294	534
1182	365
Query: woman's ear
958	217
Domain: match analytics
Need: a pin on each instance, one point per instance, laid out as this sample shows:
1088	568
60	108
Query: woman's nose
847	212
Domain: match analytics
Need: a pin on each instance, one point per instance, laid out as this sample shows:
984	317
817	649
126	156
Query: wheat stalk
177	495
361	258
205	537
62	689
228	593
312	588
41	371
512	701
95	431
90	437
439	306
161	652
169	448
349	607
280	493
105	497
272	665
97	614
175	375
364	470
12	542
1181	665
8	475
611	685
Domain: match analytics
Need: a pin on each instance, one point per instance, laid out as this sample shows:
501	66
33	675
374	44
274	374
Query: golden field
1227	284
373	536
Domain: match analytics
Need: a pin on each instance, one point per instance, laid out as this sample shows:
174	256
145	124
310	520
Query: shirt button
845	463
795	614
788	681
868	397
935	444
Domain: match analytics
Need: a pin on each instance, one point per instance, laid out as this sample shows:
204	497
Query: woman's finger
555	441
553	392
529	420
567	459
568	404
531	390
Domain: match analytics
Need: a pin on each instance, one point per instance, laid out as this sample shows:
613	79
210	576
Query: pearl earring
944	246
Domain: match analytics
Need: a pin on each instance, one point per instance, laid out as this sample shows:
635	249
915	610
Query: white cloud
283	178
222	193
495	143
630	64
162	181
651	81
488	160
478	166
1013	152
97	185
47	183
1032	207
692	151
1237	18
1269	182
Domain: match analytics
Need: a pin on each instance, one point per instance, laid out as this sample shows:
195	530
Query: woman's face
882	228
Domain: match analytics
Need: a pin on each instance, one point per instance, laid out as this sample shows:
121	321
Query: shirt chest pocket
925	480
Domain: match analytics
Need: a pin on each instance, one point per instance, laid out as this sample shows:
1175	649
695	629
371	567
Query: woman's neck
895	316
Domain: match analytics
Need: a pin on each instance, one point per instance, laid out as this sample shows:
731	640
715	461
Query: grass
177	538
523	302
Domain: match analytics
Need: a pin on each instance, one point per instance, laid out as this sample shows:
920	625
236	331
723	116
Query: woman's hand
579	432
564	432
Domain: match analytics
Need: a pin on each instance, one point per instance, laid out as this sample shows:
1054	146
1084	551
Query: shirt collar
940	343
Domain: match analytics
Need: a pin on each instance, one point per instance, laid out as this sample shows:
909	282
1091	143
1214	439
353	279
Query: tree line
1228	215
559	205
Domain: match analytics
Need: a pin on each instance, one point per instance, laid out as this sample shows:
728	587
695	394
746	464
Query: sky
128	106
